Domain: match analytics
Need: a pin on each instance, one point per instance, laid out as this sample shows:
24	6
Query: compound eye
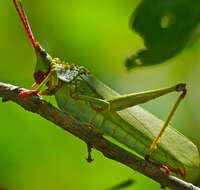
43	53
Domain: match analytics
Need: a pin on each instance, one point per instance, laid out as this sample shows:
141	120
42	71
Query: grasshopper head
43	58
43	64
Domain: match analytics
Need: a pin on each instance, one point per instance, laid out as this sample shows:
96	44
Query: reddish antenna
24	19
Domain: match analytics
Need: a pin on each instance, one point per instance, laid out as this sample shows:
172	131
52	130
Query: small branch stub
89	159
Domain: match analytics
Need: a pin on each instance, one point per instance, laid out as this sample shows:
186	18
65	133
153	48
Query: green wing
174	145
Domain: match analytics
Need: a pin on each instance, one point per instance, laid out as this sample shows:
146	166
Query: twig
36	104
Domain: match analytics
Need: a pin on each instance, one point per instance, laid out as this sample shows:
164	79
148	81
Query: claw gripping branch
24	93
167	170
25	22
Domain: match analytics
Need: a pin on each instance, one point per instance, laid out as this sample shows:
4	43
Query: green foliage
166	27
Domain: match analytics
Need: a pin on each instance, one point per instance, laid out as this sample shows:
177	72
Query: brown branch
36	104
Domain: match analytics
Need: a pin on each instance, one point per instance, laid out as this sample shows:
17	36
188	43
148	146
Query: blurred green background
34	153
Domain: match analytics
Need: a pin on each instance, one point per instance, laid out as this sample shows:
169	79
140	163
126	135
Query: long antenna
24	20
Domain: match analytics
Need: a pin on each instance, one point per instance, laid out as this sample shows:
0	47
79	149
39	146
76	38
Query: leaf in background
166	26
123	185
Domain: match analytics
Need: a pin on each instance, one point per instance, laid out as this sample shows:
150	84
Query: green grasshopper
90	101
